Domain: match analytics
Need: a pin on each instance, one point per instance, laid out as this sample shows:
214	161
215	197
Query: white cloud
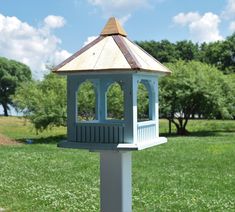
229	11
232	26
118	6
124	19
35	47
186	18
202	28
53	21
89	40
121	9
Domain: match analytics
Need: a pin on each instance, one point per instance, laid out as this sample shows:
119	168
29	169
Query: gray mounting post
115	181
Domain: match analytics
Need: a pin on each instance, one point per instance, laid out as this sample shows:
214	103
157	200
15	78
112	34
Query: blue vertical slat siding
95	133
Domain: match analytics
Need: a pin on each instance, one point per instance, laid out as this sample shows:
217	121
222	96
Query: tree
115	101
187	50
229	89
44	102
164	51
12	73
195	88
221	54
86	101
142	102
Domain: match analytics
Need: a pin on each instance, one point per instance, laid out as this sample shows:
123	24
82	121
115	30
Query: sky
46	32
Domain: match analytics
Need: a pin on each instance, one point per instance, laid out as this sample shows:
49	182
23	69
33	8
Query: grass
20	129
194	173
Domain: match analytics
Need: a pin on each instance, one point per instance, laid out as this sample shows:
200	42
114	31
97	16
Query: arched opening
143	103
86	101
115	102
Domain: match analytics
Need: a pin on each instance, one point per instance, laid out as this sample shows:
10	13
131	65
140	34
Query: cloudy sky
40	33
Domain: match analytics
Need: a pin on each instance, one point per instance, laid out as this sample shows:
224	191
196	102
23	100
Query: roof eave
109	71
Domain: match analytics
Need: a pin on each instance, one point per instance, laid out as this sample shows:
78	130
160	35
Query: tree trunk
169	126
181	127
5	110
182	131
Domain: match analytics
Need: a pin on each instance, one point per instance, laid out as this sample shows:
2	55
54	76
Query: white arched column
130	108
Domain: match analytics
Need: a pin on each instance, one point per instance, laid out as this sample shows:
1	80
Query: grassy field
195	173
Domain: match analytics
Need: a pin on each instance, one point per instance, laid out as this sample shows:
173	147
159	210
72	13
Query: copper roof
111	51
113	27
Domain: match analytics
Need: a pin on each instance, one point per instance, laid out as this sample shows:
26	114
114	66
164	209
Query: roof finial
113	27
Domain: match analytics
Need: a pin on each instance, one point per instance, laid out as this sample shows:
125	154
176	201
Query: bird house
112	58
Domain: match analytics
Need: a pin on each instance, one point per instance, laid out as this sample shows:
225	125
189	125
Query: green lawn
195	173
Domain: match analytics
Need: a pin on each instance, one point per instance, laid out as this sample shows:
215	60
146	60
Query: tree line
202	84
221	54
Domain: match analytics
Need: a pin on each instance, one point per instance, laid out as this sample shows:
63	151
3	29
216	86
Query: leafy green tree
142	102
195	88
229	58
86	98
44	102
229	89
164	51
221	54
115	101
187	50
12	73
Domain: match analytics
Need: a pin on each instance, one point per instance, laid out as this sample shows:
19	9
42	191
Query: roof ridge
100	53
127	53
76	54
148	54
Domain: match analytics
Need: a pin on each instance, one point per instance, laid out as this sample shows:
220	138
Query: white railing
146	131
100	133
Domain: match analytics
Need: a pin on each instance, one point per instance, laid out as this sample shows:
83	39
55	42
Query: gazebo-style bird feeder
113	58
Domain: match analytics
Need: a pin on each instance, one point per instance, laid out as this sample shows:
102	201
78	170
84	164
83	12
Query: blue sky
48	31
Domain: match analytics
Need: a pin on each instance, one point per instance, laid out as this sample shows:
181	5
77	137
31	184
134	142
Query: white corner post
115	181
130	109
156	106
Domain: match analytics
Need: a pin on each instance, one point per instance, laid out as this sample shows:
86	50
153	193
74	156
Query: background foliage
86	99
202	85
115	102
195	89
220	54
142	102
44	102
12	73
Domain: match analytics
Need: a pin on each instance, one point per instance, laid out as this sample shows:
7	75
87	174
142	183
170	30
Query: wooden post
115	181
71	108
